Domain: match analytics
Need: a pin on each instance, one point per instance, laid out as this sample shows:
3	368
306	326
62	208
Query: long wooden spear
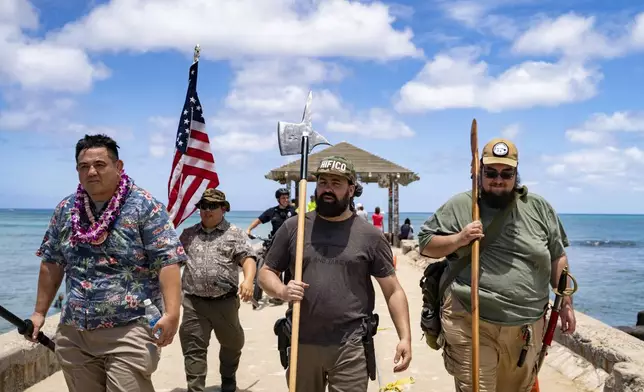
475	259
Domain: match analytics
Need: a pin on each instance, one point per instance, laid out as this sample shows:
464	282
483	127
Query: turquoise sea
606	256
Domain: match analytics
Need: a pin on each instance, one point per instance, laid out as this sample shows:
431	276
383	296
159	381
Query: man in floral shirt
116	246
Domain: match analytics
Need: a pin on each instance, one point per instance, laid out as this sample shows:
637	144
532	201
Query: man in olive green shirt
515	271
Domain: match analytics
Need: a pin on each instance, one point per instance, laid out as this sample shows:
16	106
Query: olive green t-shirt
514	280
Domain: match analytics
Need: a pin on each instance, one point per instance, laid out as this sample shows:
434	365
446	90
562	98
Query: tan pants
342	368
202	316
120	359
500	347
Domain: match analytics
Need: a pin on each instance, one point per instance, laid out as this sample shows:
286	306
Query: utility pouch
370	325
282	330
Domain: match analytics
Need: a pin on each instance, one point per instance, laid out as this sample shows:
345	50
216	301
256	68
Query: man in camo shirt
211	294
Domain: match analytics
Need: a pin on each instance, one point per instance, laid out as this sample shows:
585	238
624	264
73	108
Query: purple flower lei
97	232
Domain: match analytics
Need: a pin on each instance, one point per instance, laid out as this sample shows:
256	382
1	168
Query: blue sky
403	80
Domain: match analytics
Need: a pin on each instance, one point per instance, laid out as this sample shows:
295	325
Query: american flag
193	166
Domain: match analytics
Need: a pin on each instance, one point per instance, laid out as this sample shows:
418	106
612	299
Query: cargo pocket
450	363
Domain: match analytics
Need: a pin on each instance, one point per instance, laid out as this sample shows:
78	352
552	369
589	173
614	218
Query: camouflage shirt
214	258
106	284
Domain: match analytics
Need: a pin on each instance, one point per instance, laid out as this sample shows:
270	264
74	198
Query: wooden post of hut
390	213
396	217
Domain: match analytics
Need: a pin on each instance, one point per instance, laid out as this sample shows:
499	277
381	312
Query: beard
334	208
497	200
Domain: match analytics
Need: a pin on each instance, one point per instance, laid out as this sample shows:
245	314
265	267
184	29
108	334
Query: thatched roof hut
369	167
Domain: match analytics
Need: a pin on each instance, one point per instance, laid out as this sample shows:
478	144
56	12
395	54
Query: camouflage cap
500	151
212	195
337	165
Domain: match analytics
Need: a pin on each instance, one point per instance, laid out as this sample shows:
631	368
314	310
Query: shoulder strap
491	233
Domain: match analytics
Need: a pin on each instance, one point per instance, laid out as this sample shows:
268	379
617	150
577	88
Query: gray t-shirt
339	260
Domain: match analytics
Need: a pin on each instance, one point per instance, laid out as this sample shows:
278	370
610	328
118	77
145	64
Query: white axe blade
289	135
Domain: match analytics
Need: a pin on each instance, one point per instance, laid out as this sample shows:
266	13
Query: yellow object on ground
398	385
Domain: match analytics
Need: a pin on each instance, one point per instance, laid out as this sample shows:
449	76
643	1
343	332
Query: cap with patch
500	151
337	165
212	195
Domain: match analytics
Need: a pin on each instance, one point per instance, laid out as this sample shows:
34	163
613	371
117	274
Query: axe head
289	135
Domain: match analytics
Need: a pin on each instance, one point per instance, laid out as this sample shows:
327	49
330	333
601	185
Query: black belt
232	294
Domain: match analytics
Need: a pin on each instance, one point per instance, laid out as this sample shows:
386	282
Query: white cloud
163	131
457	79
263	92
277	88
51	115
477	15
18	12
272	101
511	131
295	71
600	127
575	36
601	166
239	160
37	64
605	163
376	124
266	91
468	12
162	136
32	115
238	28
244	142
569	35
637	31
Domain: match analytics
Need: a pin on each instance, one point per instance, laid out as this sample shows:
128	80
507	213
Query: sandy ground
260	368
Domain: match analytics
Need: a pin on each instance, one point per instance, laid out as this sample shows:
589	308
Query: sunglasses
209	206
505	174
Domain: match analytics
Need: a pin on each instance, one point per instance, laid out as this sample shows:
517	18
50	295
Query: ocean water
606	256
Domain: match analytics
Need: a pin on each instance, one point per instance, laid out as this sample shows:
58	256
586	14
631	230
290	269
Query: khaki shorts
108	359
499	351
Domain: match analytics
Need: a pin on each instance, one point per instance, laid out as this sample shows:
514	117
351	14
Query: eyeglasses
209	206
505	174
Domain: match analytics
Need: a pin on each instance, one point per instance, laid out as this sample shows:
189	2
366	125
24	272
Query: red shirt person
377	218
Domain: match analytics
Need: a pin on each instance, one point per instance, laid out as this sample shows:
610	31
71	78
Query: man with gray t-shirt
341	254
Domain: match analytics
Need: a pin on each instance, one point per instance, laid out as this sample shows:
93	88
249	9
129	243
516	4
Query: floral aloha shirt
106	284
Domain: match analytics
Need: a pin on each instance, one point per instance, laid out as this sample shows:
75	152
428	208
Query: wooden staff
299	255
475	259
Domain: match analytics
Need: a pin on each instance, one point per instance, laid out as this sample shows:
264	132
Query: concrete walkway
260	369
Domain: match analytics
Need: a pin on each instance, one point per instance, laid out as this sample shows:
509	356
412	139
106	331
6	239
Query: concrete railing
22	363
614	358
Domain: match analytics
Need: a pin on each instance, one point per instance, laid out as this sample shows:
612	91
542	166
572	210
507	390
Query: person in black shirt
406	231
277	215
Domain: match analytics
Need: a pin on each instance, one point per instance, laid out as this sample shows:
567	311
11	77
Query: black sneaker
228	384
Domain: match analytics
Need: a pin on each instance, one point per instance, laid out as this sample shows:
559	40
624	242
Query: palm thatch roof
370	168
